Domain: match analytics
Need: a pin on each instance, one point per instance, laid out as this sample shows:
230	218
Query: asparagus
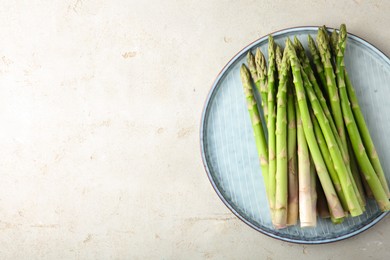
261	143
278	58
309	72
271	130
326	34
305	207
281	147
271	63
353	169
255	75
330	193
345	177
250	59
318	63
323	41
331	85
293	192
252	68
334	150
261	68
366	186
334	39
357	144
365	134
313	192
292	213
356	173
329	163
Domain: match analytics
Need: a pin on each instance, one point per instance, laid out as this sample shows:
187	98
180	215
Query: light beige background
100	108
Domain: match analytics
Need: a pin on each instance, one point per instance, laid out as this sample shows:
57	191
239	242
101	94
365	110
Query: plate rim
202	147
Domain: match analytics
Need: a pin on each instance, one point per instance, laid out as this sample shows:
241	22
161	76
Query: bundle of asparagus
318	143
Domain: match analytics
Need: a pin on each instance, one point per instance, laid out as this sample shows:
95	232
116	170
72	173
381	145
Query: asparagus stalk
281	147
330	193
261	143
334	150
309	72
329	163
356	173
357	144
292	213
323	43
345	177
365	134
353	170
318	63
326	34
366	186
305	201
278	58
313	191
334	39
271	129
252	68
261	68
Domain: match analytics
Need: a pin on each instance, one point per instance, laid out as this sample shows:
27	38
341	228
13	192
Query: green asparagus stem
365	134
272	128
323	41
329	163
318	64
271	131
357	144
345	177
261	68
271	63
309	72
261	143
326	34
331	85
334	150
334	39
281	148
313	192
292	213
330	193
353	169
366	186
355	173
305	201
252	68
278	58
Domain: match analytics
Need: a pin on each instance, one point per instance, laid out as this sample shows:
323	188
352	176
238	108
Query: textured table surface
100	109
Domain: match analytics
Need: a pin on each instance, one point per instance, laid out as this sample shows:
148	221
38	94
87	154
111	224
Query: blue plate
228	146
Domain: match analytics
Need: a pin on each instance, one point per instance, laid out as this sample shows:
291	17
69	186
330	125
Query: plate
228	146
